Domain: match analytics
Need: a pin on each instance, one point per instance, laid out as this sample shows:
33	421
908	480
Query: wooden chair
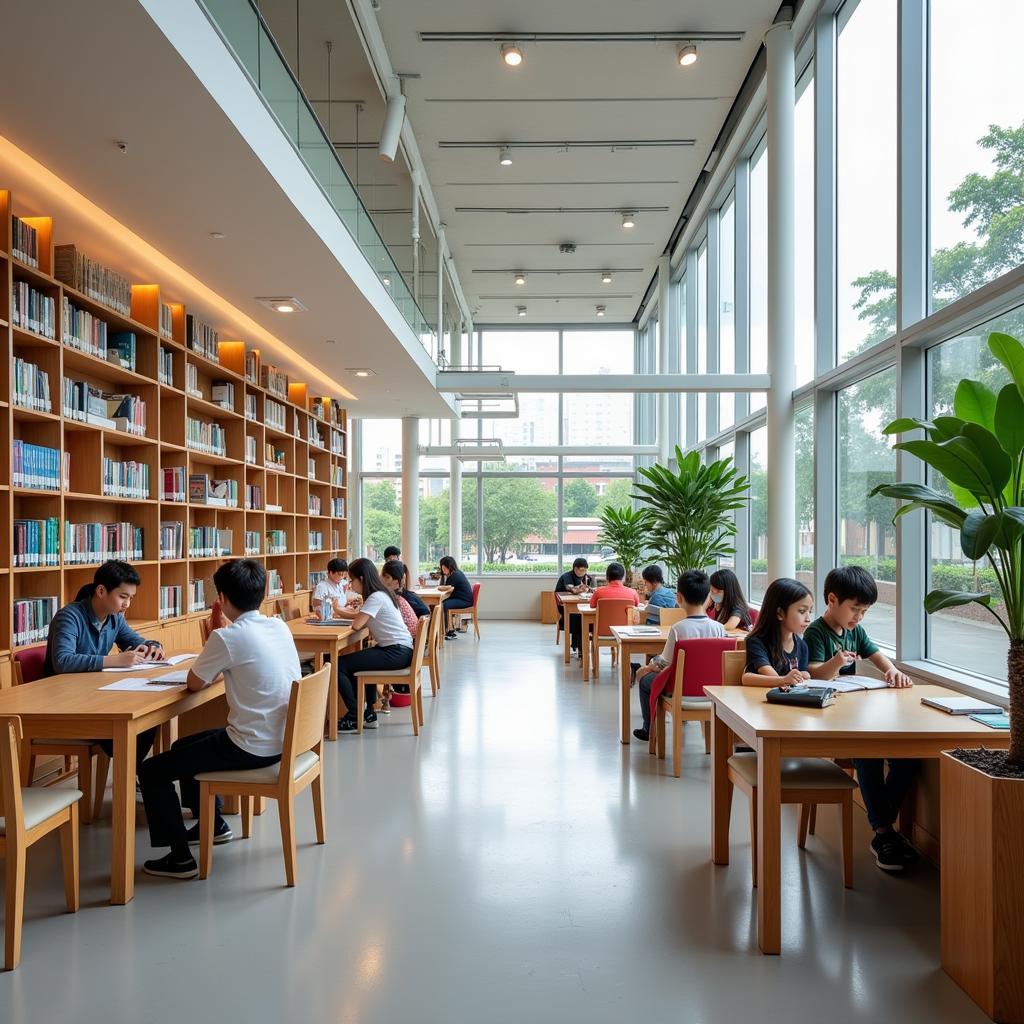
460	615
300	766
807	781
612	611
670	616
92	777
560	611
398	676
697	663
289	610
28	815
433	649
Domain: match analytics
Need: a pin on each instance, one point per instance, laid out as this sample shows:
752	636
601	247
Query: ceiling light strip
559	209
567	144
724	36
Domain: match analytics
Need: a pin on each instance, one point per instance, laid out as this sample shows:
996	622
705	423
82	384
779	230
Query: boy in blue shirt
834	643
658	595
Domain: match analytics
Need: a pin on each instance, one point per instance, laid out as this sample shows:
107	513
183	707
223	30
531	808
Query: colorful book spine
250	450
250	407
201	338
337	443
316	540
338	476
165	368
82	330
315	505
275	381
31	619
36	542
173	480
210	438
171	535
277	542
94	543
253	497
121	349
252	543
128	479
275	585
252	365
316	437
338	508
222	393
196	595
24	242
274	414
209	542
166	321
92	278
31	310
170	602
30	386
38	468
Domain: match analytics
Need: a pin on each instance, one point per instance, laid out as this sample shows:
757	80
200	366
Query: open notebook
847	684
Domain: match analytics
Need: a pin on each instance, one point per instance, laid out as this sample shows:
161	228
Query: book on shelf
316	437
31	619
24	242
274	380
252	365
30	386
277	542
192	381
36	542
165	366
201	338
273	508
170	601
94	543
33	311
92	278
166	321
338	508
250	449
208	542
172	483
338	476
275	585
274	414
316	540
274	458
337	443
222	393
82	330
311	471
252	543
121	349
204	490
314	505
206	437
171	533
128	479
315	577
197	592
254	497
88	404
335	540
250	406
38	468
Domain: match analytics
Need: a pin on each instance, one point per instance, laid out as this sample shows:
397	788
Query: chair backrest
699	663
733	664
433	631
288	608
205	629
10	777
28	664
612	611
753	616
419	644
670	616
307	709
476	594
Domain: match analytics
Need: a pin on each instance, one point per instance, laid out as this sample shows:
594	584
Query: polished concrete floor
514	863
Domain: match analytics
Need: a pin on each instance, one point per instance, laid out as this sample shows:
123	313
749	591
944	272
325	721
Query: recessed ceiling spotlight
385	280
505	156
520	277
511	55
520	311
606	277
628	219
687	55
281	303
360	371
600	310
217	234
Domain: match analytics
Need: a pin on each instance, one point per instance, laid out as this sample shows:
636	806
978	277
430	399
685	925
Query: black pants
394	656
884	794
209	751
451	605
575	627
143	745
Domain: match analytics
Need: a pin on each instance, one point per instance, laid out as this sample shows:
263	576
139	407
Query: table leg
624	656
122	870
721	804
769	851
585	645
566	623
332	695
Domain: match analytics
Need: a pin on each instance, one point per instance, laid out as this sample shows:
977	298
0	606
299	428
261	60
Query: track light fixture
520	277
606	277
505	156
511	55
628	219
687	55
600	310
520	311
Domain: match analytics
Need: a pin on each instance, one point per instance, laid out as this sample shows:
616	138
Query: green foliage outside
515	509
579	499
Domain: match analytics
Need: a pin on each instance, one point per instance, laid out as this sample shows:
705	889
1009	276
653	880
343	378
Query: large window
521	351
758	513
866	459
804	238
759	269
866	174
727	308
805	494
520	524
976	201
702	338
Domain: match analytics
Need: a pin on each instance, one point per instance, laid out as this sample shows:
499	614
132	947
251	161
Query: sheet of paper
843	684
179	658
642	631
140	685
173	677
865	682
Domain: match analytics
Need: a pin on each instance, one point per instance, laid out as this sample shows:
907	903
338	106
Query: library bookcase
281	439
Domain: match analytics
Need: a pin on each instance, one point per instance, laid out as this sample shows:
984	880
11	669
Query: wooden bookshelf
299	485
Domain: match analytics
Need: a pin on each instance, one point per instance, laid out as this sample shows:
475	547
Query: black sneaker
347	724
221	833
910	855
172	867
451	635
370	720
888	851
642	734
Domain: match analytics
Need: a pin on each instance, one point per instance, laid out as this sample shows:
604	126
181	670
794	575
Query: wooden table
871	723
332	640
588	621
432	596
568	602
72	706
629	645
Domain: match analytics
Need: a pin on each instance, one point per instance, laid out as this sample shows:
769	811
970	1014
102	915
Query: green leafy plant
690	510
979	451
625	530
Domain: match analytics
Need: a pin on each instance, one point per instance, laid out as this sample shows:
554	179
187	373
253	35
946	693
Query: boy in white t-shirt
331	589
257	657
692	591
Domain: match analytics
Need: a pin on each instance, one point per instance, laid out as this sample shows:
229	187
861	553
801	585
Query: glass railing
244	30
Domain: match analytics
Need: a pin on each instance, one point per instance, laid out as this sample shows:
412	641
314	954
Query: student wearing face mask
727	604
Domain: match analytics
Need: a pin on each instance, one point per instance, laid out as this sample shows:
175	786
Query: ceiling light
600	310
285	307
606	277
520	277
511	55
360	371
385	280
281	303
628	219
687	55
505	156
520	311
217	235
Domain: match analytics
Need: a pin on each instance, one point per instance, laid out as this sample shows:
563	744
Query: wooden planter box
982	882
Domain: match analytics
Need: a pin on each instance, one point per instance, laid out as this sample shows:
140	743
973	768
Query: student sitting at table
82	634
614	587
461	595
834	643
776	652
396	572
392	575
379	614
727	604
257	657
330	589
692	595
575	581
394	554
658	595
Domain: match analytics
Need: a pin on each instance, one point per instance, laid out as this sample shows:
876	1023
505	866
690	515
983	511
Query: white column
440	289
455	471
354	542
411	493
665	328
781	302
416	236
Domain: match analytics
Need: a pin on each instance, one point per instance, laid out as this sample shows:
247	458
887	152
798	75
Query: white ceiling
565	92
186	172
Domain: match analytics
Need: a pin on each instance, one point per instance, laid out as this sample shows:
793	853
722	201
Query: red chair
28	667
753	616
462	614
695	664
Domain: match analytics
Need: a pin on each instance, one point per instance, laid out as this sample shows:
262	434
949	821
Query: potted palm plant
691	522
625	531
979	452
